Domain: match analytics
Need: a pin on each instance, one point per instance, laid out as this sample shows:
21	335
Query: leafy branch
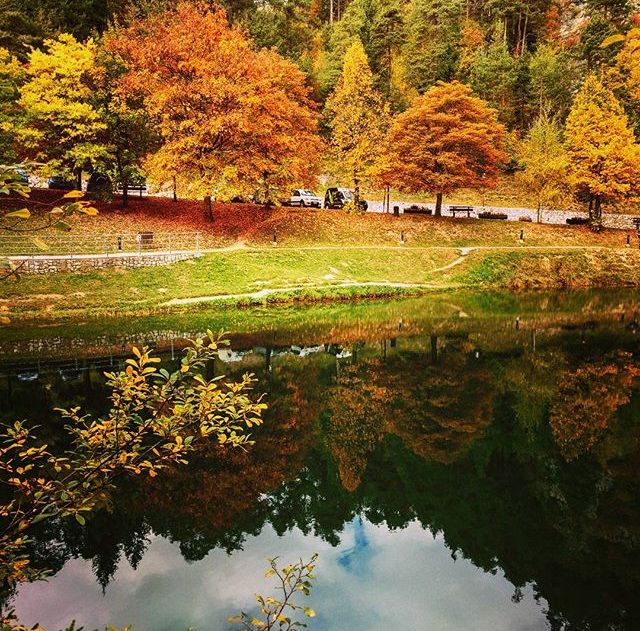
156	419
276	613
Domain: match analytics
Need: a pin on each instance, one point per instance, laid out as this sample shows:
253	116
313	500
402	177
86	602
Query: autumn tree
588	401
61	125
603	155
545	167
357	118
448	139
229	116
11	77
628	67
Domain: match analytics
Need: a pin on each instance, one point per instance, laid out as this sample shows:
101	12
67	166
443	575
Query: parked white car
303	197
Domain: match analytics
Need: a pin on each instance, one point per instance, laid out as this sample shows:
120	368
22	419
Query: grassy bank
269	276
254	226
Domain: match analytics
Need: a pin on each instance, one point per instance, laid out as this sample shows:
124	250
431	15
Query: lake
459	462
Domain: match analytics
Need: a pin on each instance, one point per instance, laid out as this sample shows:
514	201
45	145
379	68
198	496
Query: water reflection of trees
523	460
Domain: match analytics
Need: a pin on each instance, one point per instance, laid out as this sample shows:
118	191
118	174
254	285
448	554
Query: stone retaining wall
86	262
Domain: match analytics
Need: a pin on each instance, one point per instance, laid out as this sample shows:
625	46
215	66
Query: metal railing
48	244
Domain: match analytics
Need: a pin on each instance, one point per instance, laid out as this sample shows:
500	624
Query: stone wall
87	262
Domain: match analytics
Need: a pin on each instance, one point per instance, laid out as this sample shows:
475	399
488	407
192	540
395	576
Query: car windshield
346	193
311	193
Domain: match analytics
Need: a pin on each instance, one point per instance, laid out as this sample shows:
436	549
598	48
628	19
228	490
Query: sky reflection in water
375	579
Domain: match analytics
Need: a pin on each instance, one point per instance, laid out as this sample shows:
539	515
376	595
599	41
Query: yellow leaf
39	243
90	211
73	195
23	213
612	39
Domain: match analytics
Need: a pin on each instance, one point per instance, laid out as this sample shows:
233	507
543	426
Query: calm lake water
459	462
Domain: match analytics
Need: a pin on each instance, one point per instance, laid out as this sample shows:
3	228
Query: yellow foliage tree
357	118
448	139
62	125
603	155
11	77
628	64
544	160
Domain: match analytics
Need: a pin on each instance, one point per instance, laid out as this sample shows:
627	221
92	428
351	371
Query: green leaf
80	519
62	225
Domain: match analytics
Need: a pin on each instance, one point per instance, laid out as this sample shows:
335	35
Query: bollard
275	238
628	240
396	211
521	235
402	237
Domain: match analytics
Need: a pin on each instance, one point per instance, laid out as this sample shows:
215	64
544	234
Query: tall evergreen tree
431	52
494	77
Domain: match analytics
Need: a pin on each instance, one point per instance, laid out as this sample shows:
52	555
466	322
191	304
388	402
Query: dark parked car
23	176
60	183
99	183
339	197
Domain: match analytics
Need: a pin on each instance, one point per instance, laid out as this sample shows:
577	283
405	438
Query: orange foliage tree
229	116
588	401
446	140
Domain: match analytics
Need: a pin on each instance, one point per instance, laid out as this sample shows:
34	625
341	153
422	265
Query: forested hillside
519	55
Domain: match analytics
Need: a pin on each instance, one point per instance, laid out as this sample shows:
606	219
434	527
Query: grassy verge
271	276
255	226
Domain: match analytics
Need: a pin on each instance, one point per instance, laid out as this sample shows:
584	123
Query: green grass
237	272
312	276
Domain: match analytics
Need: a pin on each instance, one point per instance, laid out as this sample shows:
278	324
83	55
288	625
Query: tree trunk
125	192
175	189
596	222
208	209
79	179
331	12
434	348
438	205
539	212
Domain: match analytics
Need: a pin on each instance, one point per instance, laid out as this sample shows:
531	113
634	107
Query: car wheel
301	203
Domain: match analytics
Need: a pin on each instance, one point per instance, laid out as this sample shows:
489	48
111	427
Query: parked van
339	197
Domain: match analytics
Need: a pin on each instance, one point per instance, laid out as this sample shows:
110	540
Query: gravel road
514	214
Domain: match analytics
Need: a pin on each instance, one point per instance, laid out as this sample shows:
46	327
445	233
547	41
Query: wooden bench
141	188
461	209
